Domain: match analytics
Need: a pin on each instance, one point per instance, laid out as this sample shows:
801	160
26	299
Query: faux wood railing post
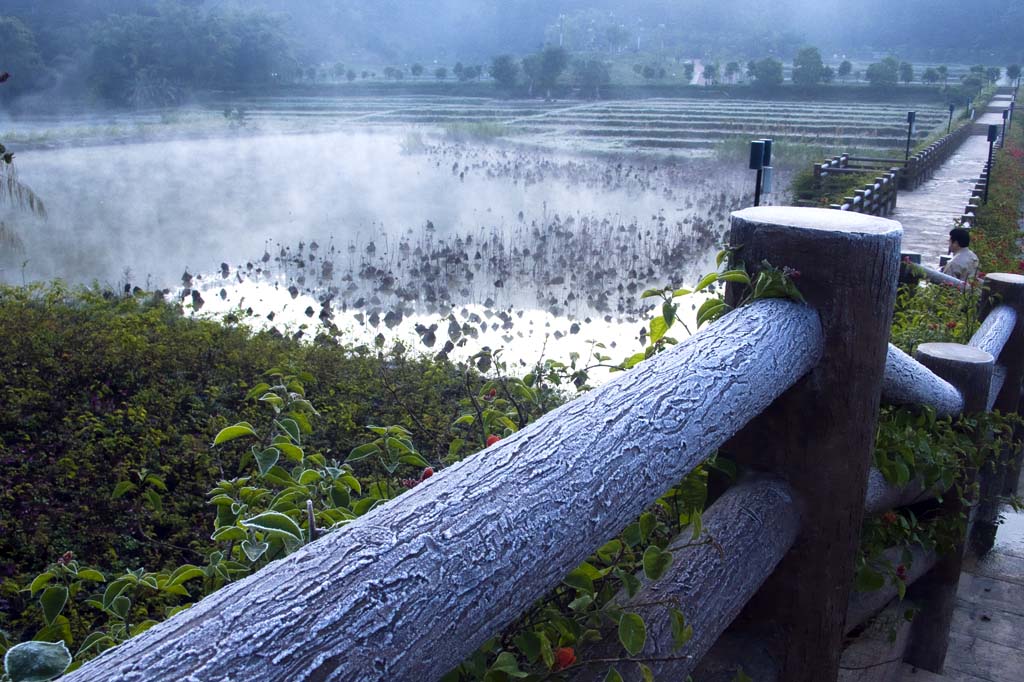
970	371
819	435
1007	289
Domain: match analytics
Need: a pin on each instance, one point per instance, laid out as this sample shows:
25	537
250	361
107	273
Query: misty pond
390	234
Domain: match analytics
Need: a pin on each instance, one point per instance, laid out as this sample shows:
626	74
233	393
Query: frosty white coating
995	331
998	379
753	524
413	587
908	382
824	219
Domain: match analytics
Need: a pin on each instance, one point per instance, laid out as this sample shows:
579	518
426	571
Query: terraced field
689	126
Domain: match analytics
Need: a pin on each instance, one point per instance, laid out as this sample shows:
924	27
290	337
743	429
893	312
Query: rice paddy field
686	127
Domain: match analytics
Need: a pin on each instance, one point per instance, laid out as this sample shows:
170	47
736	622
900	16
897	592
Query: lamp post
911	115
760	160
757	163
949	126
1006	115
993	133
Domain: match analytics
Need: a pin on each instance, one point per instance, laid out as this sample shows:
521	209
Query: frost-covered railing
791	391
877	198
922	165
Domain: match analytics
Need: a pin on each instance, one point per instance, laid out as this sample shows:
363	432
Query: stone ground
987	639
928	212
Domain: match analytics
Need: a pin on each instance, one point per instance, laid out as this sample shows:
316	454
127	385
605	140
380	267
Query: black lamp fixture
760	160
949	126
911	115
993	134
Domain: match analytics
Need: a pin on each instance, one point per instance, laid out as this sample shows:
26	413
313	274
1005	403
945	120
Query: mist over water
161	208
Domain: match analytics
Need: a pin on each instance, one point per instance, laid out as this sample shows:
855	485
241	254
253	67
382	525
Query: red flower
951	325
492	439
427	473
491	394
889	518
564	657
65	558
901	572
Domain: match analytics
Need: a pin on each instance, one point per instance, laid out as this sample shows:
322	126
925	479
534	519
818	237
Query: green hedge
100	389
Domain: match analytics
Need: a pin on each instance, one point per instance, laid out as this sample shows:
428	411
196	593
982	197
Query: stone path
928	212
986	642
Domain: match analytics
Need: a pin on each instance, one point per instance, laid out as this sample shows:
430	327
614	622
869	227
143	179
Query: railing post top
969	369
1005	280
1003	287
954	352
818	219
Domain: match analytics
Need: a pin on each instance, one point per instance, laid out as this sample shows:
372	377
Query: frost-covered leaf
632	633
275	524
53	600
232	432
36	661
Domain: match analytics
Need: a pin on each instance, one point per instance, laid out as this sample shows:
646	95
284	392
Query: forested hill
147	52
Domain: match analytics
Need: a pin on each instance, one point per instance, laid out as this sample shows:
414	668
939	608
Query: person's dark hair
961	237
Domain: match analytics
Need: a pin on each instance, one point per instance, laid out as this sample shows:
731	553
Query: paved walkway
928	212
986	642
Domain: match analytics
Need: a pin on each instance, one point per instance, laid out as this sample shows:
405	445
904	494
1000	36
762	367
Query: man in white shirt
964	263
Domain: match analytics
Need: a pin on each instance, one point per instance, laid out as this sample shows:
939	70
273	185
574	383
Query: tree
14	194
531	68
543	69
906	72
943	72
338	70
807	67
884	73
828	74
457	70
591	74
688	69
993	74
350	75
649	72
553	61
504	71
20	55
710	73
845	68
417	70
440	73
1013	72
768	73
732	69
930	76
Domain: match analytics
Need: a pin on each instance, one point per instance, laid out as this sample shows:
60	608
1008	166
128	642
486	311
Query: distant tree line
150	58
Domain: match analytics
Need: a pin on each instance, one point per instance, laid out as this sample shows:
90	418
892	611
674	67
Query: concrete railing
790	391
879	197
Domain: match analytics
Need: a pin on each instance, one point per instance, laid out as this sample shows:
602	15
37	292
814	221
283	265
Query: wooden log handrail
413	587
753	524
908	382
